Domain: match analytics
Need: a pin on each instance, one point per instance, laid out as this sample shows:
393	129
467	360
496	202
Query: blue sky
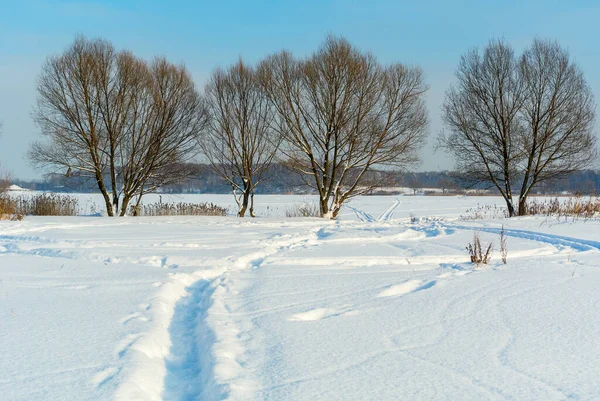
206	34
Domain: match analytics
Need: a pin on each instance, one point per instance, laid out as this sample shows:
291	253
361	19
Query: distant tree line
203	179
341	121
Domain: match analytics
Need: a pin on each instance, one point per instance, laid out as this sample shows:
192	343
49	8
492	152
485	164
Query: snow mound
16	188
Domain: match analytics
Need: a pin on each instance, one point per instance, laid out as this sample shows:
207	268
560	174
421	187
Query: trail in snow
205	354
389	213
189	365
362	216
383	217
196	338
578	244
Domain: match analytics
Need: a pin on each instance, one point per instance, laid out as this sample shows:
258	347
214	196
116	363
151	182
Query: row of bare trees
110	114
332	117
517	121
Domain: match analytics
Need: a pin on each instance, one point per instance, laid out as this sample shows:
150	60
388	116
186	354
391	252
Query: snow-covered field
369	307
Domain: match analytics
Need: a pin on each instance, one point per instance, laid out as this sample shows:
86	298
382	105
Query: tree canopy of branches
240	141
341	113
105	113
515	122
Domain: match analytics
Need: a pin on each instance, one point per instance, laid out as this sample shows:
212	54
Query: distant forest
202	178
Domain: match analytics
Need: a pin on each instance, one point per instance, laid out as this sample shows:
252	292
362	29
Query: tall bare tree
558	117
125	123
166	117
482	115
515	122
240	141
341	114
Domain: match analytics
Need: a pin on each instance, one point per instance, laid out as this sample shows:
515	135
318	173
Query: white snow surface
372	306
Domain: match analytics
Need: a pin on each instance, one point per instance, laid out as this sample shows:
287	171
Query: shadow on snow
189	366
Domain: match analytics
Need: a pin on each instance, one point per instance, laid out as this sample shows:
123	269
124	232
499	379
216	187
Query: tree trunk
136	210
104	193
115	204
244	204
324	207
245	198
124	205
523	206
338	201
109	208
510	207
252	204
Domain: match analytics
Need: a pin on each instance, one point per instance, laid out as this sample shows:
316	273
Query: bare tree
558	117
240	141
517	122
68	114
341	114
111	116
165	120
482	115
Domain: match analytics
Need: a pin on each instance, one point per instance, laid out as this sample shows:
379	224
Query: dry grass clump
483	212
479	255
573	207
303	210
15	207
577	207
503	247
50	205
6	212
8	209
178	209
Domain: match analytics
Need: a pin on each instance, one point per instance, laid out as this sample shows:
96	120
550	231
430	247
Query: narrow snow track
361	215
385	216
559	241
389	213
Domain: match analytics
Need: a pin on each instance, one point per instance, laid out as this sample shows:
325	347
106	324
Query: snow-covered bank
368	307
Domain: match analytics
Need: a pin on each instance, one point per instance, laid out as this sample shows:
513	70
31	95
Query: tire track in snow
383	217
406	287
362	216
389	213
559	241
489	298
502	353
458	309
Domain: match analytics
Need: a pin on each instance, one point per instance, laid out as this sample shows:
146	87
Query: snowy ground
369	307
